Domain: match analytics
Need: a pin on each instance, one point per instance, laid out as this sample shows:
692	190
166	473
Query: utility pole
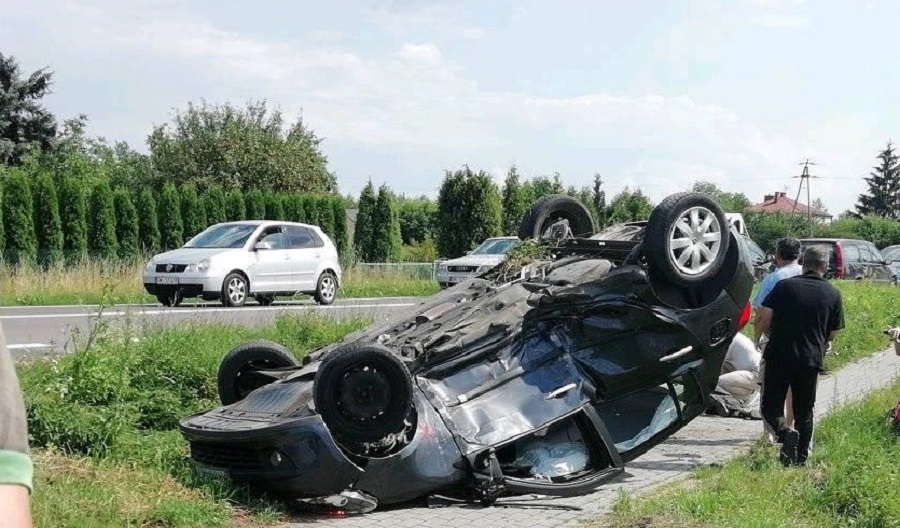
804	178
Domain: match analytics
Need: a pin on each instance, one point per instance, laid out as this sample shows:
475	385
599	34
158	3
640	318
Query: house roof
780	203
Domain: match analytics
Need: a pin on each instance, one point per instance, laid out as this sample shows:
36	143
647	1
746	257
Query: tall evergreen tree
48	226
386	241
18	212
127	229
214	203
256	205
171	229
311	206
325	215
469	211
293	208
2	230
515	201
883	195
340	224
598	196
362	231
148	224
73	214
235	206
102	242
193	214
274	209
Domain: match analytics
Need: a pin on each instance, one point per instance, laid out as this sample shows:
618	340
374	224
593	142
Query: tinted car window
302	238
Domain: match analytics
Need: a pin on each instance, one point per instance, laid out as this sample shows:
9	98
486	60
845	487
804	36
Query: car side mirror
262	245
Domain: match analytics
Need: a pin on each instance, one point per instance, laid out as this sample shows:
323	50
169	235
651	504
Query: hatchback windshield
495	247
223	236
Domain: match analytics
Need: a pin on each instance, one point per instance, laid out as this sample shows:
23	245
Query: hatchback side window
300	237
276	239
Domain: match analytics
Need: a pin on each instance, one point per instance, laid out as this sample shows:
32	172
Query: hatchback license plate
166	280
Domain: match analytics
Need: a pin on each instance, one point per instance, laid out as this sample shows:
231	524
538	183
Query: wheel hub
363	394
695	241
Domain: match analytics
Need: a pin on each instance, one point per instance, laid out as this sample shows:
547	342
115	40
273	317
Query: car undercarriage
545	375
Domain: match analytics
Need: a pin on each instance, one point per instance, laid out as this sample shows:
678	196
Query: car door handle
287	256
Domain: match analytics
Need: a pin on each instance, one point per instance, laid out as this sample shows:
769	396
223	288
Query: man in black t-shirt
801	316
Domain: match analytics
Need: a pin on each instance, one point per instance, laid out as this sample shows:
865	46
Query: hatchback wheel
326	289
234	290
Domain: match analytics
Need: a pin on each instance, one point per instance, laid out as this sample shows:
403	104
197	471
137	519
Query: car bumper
449	279
189	284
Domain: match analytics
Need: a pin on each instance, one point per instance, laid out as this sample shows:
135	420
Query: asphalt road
41	330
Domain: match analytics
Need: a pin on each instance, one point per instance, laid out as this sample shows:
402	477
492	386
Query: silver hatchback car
236	260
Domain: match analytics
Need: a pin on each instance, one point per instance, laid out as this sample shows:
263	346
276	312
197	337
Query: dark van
852	259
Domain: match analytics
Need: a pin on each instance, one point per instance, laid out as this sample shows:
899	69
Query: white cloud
424	53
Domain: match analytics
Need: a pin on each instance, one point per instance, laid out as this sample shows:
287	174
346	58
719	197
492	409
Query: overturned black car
544	375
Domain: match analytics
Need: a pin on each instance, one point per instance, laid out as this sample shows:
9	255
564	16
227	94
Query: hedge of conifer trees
47	220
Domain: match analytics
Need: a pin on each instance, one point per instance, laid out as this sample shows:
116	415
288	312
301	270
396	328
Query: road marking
188	311
28	345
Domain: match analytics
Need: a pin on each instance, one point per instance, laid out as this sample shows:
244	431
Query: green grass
116	282
103	423
853	479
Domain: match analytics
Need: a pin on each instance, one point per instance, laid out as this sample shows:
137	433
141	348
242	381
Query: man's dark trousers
802	379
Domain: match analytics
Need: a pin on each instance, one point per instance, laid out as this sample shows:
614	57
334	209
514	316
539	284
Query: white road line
201	311
26	346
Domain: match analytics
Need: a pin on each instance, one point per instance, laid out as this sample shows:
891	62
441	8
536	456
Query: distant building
780	203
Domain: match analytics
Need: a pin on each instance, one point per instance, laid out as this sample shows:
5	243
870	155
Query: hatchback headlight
150	264
201	266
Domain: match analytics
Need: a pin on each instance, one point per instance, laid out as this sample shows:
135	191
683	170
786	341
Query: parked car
891	255
853	259
484	257
544	375
236	260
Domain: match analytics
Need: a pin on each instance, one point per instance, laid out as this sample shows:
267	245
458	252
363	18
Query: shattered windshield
495	247
223	236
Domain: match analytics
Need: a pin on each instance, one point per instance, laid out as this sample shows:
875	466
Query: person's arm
764	288
16	470
764	318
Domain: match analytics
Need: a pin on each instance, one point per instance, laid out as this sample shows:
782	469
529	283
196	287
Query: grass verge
103	424
100	282
851	480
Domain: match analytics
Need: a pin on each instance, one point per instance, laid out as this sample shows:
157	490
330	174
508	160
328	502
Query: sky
650	94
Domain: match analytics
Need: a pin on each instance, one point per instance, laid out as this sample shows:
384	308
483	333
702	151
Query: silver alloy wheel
237	290
327	288
695	241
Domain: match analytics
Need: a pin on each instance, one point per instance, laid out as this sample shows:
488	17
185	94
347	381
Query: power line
804	178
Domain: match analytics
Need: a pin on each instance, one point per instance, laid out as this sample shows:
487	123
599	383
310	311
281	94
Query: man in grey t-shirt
16	471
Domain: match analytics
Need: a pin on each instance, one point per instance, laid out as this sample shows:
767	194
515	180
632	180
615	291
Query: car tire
687	239
363	393
235	289
266	299
235	378
326	288
170	299
552	208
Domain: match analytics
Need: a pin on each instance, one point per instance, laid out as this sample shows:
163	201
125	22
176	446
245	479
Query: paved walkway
704	441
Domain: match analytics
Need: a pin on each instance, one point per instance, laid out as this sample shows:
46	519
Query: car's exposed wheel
363	393
239	371
326	288
265	299
553	208
687	239
235	289
172	298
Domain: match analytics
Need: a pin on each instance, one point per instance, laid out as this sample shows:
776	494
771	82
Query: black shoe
789	448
